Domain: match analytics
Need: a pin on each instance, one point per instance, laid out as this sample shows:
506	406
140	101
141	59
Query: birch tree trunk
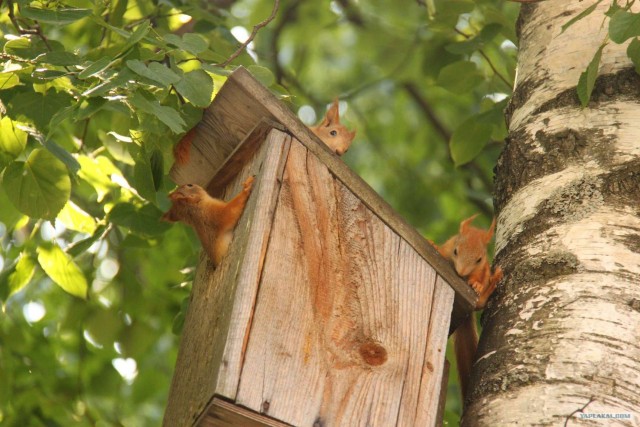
562	332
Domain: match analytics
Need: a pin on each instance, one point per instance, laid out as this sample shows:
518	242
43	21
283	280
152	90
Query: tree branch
256	28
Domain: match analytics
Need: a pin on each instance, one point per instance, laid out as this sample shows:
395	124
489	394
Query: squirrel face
185	199
470	248
332	132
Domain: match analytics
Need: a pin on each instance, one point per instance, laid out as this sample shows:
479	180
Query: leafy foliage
93	96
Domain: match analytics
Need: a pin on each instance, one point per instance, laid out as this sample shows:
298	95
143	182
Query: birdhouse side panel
214	294
343	314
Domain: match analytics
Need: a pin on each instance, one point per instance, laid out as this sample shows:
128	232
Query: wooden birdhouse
329	309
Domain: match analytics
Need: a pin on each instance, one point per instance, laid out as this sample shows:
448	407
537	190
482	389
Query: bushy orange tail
465	344
182	149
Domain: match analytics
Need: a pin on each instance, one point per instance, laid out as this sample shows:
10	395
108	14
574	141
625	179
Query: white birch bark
562	332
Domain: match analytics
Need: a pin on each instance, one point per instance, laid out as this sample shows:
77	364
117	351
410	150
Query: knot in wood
373	353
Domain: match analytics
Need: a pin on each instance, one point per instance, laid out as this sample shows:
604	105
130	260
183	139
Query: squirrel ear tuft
464	225
333	114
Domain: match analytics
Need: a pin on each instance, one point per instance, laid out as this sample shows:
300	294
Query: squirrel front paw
248	183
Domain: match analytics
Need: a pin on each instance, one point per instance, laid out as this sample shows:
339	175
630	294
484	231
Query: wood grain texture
341	333
209	317
275	152
225	414
242	102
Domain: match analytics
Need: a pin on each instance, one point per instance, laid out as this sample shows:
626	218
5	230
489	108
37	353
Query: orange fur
212	219
467	251
182	149
334	134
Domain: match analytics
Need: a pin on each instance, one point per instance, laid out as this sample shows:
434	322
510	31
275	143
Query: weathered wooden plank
276	149
339	335
208	318
430	391
242	101
241	155
443	394
225	414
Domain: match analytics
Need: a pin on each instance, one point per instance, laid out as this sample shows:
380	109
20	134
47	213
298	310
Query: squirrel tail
465	343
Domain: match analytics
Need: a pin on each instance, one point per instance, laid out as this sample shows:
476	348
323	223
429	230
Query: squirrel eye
189	185
333	132
478	260
455	251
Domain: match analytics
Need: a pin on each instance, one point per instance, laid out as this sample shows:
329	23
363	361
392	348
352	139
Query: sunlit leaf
76	219
8	79
97	172
22	274
12	140
63	270
39	187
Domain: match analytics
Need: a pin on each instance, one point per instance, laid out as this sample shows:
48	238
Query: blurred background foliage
93	96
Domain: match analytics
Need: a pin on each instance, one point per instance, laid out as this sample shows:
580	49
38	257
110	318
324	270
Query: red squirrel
332	132
212	219
467	251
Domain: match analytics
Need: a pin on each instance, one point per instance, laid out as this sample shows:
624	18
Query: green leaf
62	59
63	271
487	34
61	16
580	16
97	173
144	220
192	43
9	79
143	177
63	155
9	215
36	108
157	168
139	33
39	187
25	47
22	274
262	74
83	245
460	77
76	219
588	78
12	140
623	26
95	67
197	87
468	140
633	51
166	115
155	71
